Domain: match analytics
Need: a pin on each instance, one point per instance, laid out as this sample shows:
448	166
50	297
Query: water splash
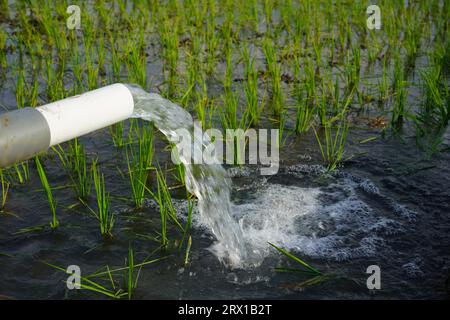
347	218
210	183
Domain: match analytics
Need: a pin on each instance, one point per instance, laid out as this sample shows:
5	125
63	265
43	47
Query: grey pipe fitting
23	134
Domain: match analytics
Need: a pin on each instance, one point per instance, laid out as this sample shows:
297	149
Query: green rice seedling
91	71
60	39
137	67
164	208
53	80
26	35
309	81
167	211
20	89
298	86
124	14
191	81
303	117
78	69
440	56
343	26
226	27
22	172
212	41
356	66
281	128
200	107
316	280
248	14
187	228
59	11
193	66
440	13
274	70
33	229
209	111
317	46
352	70
5	189
37	51
340	106
433	116
86	283
334	91
192	11
286	11
105	217
253	110
333	148
106	274
229	67
48	191
33	92
45	20
322	106
180	170
268	10
305	114
131	283
383	84
373	51
117	132
89	27
412	39
435	109
116	63
3	38
305	267
400	93
168	32
229	118
101	54
62	156
139	163
4	9
172	58
80	174
103	14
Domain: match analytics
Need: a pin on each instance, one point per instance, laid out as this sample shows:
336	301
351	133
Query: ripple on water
332	222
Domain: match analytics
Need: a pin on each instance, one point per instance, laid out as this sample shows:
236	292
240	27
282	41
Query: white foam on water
412	269
332	223
369	187
273	216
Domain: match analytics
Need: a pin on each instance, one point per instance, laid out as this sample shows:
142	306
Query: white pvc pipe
29	131
79	115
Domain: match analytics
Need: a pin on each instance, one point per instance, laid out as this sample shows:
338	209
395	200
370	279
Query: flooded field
363	178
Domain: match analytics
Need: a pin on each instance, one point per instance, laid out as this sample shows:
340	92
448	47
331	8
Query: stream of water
210	183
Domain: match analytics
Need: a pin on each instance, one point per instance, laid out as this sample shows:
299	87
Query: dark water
388	207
